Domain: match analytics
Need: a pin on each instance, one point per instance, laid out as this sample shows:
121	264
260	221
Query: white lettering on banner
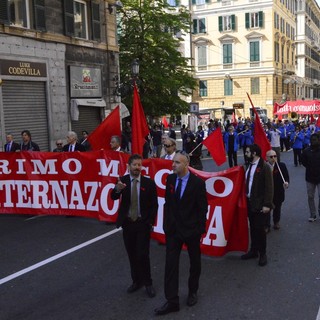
145	171
58	194
66	166
105	170
24	201
158	177
40	191
228	186
8	186
104	203
4	167
76	196
93	204
158	228
21	166
40	168
216	228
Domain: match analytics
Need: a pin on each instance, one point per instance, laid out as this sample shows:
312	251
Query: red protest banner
80	184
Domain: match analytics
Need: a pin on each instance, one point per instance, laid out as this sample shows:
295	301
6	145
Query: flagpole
196	147
280	172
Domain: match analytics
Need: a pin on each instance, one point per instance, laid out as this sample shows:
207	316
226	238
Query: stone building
58	65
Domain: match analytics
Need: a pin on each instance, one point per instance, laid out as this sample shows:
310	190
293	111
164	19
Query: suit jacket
186	217
148	200
279	192
261	194
77	147
14	147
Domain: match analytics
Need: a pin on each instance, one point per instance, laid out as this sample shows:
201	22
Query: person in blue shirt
231	142
296	139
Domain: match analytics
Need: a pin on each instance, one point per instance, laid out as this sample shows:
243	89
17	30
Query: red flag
260	137
234	120
140	127
280	117
312	120
165	122
214	143
101	136
318	122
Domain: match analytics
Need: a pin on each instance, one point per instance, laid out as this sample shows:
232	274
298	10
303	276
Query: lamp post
135	69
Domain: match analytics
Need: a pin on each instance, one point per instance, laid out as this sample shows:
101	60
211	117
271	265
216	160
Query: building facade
58	65
255	47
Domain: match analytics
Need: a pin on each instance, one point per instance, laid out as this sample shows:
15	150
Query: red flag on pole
110	126
215	146
260	137
164	121
312	120
140	127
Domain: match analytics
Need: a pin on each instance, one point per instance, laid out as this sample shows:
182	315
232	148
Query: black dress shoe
134	287
192	299
167	308
249	255
263	260
150	291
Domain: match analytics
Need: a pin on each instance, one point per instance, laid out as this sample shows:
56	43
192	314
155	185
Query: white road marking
57	256
318	316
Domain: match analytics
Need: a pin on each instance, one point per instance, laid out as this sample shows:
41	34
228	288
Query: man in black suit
137	211
11	146
184	222
280	183
27	144
259	191
72	143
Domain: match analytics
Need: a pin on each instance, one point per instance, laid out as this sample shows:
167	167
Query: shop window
23	13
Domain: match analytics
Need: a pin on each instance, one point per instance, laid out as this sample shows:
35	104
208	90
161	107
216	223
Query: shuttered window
39	15
96	30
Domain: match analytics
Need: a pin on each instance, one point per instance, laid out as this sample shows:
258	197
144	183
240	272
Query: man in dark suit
27	144
280	183
72	143
259	190
137	211
184	222
11	146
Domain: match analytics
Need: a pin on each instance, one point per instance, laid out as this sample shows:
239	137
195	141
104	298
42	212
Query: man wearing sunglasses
170	148
280	183
59	147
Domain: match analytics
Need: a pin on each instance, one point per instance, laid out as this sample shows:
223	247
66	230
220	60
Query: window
254	20
173	3
227	53
228	87
276	52
202	56
200	2
203	88
255	85
254	51
23	13
227	23
199	25
82	21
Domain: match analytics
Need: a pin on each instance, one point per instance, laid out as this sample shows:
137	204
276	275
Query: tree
150	31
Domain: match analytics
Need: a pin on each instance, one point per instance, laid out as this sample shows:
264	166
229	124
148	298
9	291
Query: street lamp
135	68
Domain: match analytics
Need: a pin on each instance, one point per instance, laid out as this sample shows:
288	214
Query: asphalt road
45	276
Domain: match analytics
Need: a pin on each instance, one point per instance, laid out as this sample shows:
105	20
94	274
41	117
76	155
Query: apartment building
58	65
263	48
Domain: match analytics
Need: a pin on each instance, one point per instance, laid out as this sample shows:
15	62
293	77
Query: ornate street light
135	68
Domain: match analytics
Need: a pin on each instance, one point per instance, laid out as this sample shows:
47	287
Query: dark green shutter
220	24
178	2
260	19
202	25
195	26
4	11
208	1
233	22
247	21
68	18
96	29
193	1
39	15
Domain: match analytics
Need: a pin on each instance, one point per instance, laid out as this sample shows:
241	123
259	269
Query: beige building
248	46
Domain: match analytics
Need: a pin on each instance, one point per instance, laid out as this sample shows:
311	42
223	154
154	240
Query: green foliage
148	30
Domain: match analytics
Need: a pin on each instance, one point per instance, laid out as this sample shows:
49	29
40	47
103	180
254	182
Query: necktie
248	179
134	201
178	190
8	147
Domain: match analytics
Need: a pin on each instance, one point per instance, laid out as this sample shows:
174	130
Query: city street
44	275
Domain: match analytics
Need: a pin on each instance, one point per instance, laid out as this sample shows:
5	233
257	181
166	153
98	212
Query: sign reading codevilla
22	68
